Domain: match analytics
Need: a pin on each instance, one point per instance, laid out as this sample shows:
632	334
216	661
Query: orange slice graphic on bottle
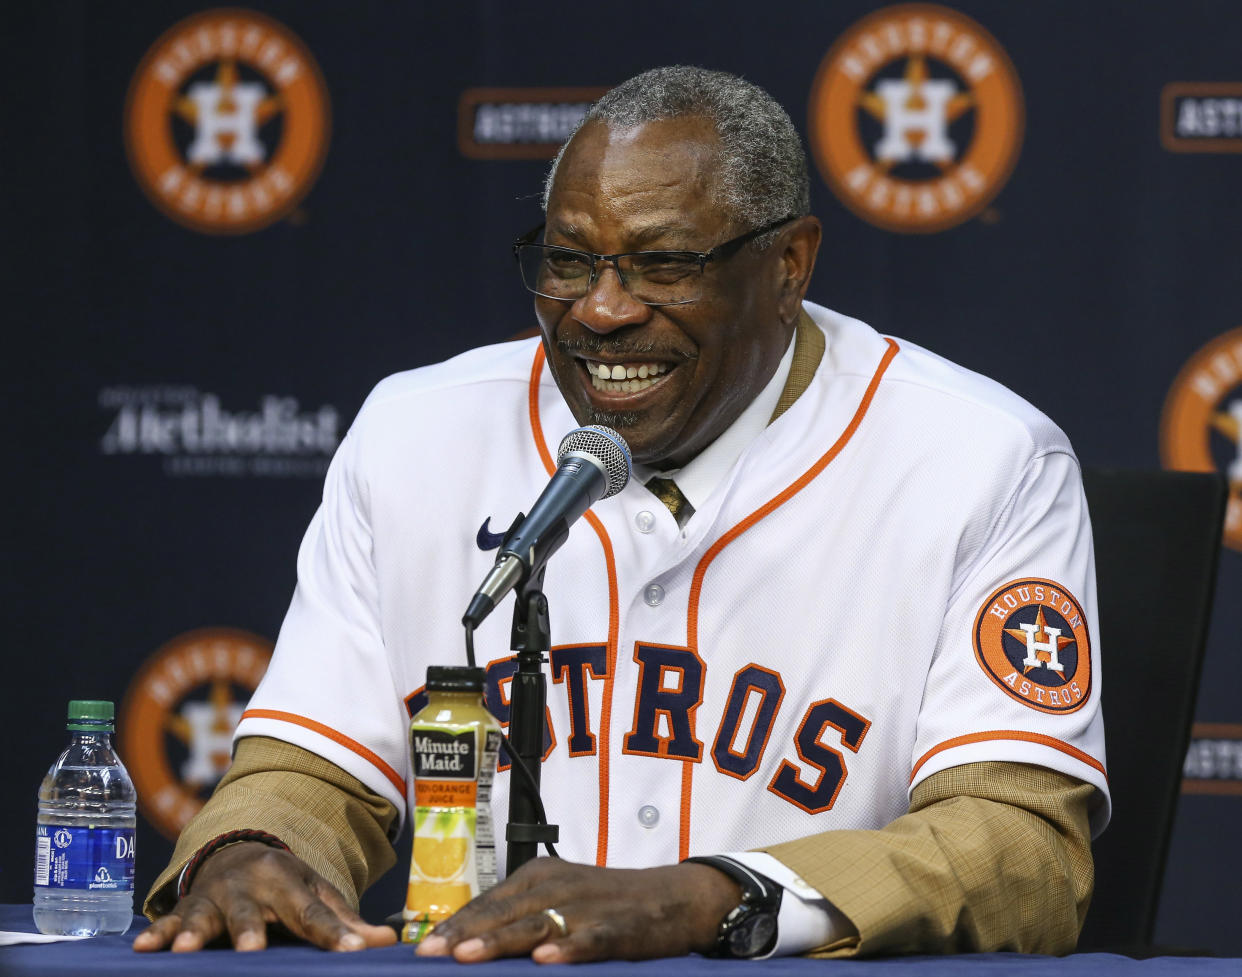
441	859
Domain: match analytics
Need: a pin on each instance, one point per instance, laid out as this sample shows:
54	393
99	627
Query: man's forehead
656	178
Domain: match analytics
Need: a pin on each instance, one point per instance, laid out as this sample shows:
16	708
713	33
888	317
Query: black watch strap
749	929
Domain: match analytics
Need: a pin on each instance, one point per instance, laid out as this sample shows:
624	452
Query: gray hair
763	174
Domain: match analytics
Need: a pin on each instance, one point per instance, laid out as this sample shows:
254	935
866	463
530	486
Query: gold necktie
666	490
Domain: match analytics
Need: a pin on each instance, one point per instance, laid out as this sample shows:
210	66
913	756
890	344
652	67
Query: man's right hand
243	888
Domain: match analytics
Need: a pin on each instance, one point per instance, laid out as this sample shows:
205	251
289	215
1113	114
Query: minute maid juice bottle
453	742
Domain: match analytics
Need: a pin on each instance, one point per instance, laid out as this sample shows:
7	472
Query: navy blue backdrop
192	326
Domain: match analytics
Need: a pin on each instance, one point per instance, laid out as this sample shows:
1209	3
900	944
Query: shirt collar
700	476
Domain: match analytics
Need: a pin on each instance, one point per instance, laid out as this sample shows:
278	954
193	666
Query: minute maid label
446	765
441	753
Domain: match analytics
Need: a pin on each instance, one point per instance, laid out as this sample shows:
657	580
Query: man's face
650	189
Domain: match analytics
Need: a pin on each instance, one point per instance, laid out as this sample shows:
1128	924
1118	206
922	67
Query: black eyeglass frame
720	252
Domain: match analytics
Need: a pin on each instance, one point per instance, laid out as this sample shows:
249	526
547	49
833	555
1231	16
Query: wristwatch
749	929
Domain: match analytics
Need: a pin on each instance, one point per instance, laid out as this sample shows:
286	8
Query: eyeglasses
653	277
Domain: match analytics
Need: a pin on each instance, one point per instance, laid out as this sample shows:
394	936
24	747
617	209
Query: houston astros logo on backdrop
1031	640
226	123
1201	427
916	118
177	720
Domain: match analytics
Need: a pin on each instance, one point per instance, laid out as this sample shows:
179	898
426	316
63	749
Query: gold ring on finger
557	919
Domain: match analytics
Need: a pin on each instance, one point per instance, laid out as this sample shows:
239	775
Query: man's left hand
608	913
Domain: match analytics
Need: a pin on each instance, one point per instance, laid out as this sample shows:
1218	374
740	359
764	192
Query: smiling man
709	315
825	674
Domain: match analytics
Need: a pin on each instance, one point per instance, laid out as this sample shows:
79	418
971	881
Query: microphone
592	463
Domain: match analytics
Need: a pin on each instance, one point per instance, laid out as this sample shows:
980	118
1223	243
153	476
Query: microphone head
606	447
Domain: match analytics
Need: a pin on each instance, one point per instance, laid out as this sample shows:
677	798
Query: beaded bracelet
222	841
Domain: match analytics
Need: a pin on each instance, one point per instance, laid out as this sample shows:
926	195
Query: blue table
111	956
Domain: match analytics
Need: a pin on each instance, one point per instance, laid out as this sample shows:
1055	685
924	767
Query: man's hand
244	887
609	914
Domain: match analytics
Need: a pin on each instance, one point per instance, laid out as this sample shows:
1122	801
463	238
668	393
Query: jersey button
648	816
654	595
645	521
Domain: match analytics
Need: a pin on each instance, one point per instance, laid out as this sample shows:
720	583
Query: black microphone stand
531	639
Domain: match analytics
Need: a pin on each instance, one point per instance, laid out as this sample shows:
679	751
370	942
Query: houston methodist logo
226	122
916	118
1201	426
177	720
1031	640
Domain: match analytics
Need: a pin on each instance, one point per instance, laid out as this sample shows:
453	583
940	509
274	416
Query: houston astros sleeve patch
1031	640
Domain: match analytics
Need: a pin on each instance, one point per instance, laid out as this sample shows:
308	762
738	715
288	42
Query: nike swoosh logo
488	540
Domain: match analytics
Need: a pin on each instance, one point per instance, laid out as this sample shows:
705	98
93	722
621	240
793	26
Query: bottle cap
91	709
454	678
90	714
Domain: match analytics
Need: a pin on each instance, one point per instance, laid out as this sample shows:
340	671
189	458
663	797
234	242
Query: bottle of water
84	839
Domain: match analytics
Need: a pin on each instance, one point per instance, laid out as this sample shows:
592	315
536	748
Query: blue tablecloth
111	956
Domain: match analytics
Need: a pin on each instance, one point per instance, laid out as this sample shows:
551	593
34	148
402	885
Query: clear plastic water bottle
84	839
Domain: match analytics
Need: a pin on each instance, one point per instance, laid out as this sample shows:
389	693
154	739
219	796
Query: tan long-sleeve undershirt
992	856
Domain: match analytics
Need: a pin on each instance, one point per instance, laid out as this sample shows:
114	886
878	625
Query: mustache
621	349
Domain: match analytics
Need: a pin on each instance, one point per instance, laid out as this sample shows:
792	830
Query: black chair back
1157	543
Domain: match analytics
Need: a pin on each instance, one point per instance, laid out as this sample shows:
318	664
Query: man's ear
799	245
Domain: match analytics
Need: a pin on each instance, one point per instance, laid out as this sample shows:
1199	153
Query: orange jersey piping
614	617
696	585
337	737
1010	734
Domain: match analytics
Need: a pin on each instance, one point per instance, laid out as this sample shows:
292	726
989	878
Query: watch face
751	936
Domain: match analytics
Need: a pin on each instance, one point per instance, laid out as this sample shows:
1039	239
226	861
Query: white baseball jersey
895	578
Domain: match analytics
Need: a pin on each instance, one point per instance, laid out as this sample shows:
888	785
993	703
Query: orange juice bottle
454	741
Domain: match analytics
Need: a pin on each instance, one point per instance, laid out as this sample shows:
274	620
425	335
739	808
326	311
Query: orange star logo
1040	636
227	104
916	75
916	68
225	74
178	717
1201	425
1044	618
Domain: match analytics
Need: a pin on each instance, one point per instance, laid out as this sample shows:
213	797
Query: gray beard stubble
612	418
